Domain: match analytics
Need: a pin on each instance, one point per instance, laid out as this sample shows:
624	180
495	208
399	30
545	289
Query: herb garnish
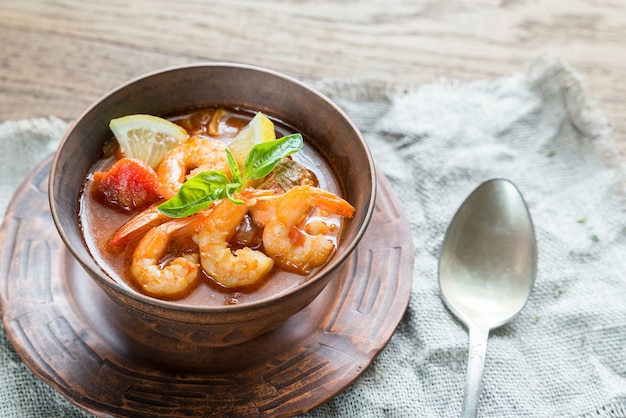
200	191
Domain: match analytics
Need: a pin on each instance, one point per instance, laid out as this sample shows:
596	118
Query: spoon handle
478	348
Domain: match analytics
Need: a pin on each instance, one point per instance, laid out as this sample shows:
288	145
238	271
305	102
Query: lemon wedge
147	138
259	130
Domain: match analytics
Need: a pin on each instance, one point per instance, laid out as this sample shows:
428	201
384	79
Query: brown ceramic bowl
177	89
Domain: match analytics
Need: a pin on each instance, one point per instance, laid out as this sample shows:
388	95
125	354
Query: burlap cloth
565	354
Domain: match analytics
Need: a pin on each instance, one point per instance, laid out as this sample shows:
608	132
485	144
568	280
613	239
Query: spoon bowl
487	269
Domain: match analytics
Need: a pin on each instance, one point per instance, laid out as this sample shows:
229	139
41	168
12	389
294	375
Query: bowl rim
104	278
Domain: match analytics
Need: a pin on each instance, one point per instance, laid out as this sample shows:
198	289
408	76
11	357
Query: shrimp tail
137	227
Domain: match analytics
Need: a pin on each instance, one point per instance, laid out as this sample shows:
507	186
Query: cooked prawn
242	267
193	156
137	227
291	247
170	278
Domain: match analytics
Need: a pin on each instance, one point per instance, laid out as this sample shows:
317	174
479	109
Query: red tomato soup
116	195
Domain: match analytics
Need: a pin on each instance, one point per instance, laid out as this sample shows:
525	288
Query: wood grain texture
76	339
57	57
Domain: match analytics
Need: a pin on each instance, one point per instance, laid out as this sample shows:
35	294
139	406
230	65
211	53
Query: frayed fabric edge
554	79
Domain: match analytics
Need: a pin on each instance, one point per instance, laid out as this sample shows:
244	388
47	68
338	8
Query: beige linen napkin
565	355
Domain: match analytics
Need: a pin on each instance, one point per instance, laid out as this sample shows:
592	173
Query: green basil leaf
264	157
196	194
200	191
234	167
231	189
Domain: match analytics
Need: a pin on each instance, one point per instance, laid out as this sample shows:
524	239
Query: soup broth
100	221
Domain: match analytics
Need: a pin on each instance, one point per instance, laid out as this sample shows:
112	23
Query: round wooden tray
72	336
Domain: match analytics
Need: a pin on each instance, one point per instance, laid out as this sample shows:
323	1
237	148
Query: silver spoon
487	268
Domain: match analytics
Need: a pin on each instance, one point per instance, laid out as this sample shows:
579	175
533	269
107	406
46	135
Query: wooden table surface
59	56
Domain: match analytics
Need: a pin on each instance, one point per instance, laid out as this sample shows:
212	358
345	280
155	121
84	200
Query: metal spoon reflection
487	269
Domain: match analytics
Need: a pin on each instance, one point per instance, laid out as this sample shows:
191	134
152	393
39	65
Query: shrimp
242	267
265	208
292	248
140	224
166	279
193	156
137	227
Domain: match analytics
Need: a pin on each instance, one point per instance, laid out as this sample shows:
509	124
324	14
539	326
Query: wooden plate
72	336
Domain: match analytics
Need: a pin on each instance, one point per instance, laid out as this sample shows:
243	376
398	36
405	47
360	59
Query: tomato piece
129	185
